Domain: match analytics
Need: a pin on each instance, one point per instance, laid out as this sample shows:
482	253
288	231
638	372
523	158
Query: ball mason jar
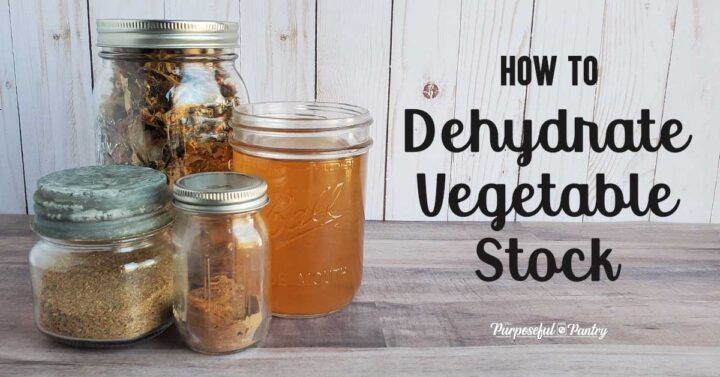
102	271
222	261
313	157
164	94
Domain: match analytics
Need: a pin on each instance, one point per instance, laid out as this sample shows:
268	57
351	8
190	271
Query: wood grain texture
425	44
692	97
277	44
489	30
98	9
354	67
218	10
561	28
634	58
12	181
54	86
715	219
422	311
658	55
551	360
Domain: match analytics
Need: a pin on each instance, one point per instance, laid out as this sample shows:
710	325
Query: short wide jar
222	261
102	272
313	156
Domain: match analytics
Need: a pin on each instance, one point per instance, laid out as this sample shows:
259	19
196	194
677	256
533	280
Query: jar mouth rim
300	116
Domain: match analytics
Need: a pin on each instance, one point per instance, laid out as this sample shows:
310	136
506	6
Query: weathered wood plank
489	30
353	66
277	44
53	79
561	28
544	360
217	10
12	181
633	62
425	42
422	310
715	219
692	97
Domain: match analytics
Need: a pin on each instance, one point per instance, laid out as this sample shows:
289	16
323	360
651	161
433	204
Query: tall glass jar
313	156
165	92
102	272
222	261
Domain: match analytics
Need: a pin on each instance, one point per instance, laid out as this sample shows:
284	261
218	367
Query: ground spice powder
217	315
107	295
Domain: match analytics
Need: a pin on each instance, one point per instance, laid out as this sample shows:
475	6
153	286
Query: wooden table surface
422	311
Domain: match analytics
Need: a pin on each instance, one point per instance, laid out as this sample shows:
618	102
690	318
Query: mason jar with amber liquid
313	156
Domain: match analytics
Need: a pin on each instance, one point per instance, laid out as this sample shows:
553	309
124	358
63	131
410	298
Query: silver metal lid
301	130
166	34
220	192
98	203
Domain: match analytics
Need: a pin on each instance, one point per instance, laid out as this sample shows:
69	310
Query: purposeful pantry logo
548	330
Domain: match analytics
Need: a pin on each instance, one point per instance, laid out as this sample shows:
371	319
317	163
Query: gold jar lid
220	192
119	33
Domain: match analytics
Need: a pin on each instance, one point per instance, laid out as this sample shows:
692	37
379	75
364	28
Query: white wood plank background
54	86
382	54
638	35
693	96
352	67
277	42
489	30
582	21
12	180
425	52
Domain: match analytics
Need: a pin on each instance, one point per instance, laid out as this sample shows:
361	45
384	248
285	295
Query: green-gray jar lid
95	203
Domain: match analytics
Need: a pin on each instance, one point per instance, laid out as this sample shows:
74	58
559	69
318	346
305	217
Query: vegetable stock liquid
316	224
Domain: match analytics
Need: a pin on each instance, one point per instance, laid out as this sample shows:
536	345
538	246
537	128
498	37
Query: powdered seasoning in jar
102	272
222	261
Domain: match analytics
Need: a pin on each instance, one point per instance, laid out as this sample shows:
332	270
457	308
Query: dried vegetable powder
107	295
103	269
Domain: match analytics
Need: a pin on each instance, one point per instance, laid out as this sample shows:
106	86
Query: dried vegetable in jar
165	94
